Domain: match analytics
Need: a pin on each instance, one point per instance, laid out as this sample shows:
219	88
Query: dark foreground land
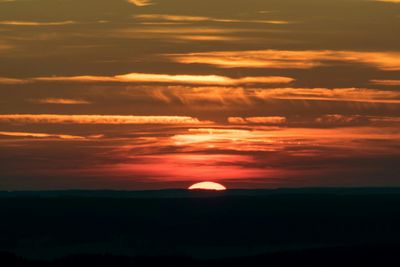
336	227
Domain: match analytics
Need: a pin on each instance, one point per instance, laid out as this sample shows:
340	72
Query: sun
207	186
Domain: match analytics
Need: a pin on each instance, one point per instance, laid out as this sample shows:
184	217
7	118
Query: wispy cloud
182	18
386	82
174	79
351	120
40	135
273	120
282	59
248	96
5	80
141	3
168	31
338	94
36	23
388	1
61	101
98	119
279	139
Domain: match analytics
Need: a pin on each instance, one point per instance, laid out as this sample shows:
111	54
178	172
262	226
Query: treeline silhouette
332	227
361	256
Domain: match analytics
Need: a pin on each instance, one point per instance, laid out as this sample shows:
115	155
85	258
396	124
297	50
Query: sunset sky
141	94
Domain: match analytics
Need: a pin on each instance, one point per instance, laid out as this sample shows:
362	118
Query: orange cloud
5	80
207	38
386	82
40	135
237	95
177	79
257	120
278	139
388	1
98	119
339	119
182	18
162	30
140	3
338	94
196	95
282	59
35	23
62	101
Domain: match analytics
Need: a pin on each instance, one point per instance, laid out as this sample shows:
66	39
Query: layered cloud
5	80
386	82
61	101
174	79
97	119
40	135
346	120
338	94
283	59
238	95
389	1
274	120
36	23
279	139
182	18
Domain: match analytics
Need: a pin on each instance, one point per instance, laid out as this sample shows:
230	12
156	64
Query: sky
142	94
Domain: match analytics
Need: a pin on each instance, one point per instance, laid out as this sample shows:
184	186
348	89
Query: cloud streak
5	80
141	3
97	119
182	18
274	120
386	82
351	120
172	79
248	96
62	101
40	135
36	23
282	59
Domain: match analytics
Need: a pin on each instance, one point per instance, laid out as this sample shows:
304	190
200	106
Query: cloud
141	3
338	119
386	82
98	119
36	23
174	79
351	120
182	18
62	101
168	31
283	59
274	120
5	80
275	139
40	135
338	94
388	1
240	96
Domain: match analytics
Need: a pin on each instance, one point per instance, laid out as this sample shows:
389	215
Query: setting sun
207	186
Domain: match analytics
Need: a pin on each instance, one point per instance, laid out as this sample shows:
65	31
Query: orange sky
138	94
